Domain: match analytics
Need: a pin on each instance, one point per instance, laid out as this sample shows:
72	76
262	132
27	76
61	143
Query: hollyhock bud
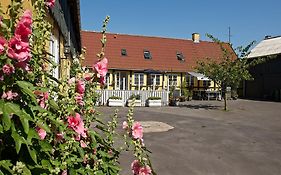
59	137
87	76
9	95
135	166
41	132
80	87
71	80
137	131
83	144
125	125
43	98
23	66
8	69
50	3
79	99
2	44
100	67
64	172
146	170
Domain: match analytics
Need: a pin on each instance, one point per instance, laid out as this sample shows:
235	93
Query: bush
154	98
115	98
135	96
45	122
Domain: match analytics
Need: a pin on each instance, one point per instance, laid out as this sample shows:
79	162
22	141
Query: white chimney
196	37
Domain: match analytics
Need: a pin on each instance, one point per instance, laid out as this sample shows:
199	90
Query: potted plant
154	101
115	101
134	98
174	101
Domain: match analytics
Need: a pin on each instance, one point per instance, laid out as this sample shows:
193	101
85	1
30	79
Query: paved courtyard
205	140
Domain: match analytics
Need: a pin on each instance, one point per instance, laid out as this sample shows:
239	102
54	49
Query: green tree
230	70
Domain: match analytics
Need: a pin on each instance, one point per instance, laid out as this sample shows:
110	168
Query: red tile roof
163	51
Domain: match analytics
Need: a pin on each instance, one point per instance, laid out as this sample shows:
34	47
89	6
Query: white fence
125	95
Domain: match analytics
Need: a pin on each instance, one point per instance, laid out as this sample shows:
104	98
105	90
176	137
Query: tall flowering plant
50	126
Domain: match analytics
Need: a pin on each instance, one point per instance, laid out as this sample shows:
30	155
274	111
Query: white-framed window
189	80
107	78
117	80
206	83
54	51
139	80
173	79
154	77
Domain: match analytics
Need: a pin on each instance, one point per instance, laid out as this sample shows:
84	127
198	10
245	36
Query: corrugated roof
163	51
266	47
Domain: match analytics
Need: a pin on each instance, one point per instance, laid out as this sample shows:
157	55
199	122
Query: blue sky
249	19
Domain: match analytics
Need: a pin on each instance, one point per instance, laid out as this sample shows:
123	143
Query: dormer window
123	52
147	54
180	56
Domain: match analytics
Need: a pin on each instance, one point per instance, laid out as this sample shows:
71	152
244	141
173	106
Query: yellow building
153	63
65	40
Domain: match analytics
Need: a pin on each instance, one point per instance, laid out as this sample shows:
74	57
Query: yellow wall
132	85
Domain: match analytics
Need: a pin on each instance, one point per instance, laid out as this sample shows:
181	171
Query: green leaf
45	146
1	129
25	124
1	106
27	88
26	171
53	104
6	121
12	108
31	134
46	163
18	140
32	154
6	164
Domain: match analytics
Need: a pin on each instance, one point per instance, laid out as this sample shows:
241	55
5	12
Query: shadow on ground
199	106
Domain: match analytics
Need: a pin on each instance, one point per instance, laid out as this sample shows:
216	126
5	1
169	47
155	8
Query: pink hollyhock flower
135	166
79	99
18	50
146	170
9	95
23	65
87	76
137	130
41	132
50	3
101	67
1	77
76	123
125	125
80	87
83	144
2	44
8	69
23	27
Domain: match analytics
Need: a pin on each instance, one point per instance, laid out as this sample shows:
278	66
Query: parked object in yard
154	101
115	101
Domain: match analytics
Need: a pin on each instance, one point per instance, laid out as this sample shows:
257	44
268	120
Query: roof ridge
147	36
